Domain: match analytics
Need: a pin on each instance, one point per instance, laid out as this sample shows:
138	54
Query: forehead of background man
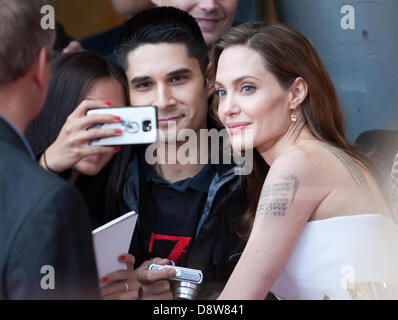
130	7
213	16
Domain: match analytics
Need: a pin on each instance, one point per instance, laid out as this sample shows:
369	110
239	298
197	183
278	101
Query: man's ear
210	78
41	68
298	92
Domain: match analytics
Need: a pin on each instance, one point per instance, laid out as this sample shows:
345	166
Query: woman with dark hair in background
319	226
79	82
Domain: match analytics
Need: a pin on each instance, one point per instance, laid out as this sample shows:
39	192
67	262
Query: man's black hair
162	25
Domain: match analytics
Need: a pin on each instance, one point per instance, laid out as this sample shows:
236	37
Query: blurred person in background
104	43
214	17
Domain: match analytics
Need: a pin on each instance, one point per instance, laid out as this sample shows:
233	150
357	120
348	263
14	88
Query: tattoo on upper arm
276	198
349	164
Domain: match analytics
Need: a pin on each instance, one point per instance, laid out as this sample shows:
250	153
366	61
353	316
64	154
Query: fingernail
172	273
116	149
104	280
122	258
108	103
118	131
116	118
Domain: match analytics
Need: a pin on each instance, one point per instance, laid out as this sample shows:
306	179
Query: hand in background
73	46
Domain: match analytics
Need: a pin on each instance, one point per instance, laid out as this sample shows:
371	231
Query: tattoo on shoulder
276	198
349	164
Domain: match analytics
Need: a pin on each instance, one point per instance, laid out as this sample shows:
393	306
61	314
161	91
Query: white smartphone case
138	125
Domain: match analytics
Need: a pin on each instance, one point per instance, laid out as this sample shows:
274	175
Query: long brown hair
287	55
72	76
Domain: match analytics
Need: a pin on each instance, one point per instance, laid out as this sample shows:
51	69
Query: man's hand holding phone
155	284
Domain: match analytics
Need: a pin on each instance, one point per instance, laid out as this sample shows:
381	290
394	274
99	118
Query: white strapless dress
349	257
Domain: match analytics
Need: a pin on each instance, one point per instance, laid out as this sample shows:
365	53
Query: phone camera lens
131	126
146	125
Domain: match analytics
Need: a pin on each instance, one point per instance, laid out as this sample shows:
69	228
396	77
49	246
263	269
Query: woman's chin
88	169
92	164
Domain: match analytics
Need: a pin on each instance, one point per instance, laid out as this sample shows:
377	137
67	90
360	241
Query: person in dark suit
46	248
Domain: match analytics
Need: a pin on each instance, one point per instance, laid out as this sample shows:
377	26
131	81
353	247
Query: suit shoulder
28	185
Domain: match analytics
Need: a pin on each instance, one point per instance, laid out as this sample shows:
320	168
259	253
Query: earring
293	116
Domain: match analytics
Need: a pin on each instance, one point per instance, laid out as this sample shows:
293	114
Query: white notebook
111	240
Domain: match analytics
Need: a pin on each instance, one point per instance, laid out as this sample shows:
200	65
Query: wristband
46	165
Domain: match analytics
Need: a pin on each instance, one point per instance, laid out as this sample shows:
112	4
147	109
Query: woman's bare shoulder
313	165
295	182
301	159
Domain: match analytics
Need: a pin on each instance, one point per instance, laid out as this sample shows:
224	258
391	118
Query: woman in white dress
319	226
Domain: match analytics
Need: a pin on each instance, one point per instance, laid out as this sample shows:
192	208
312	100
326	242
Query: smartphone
182	274
138	125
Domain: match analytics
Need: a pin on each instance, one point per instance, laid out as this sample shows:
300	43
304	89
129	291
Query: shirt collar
26	143
200	182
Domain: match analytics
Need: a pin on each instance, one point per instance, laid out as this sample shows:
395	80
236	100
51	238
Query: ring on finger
126	289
